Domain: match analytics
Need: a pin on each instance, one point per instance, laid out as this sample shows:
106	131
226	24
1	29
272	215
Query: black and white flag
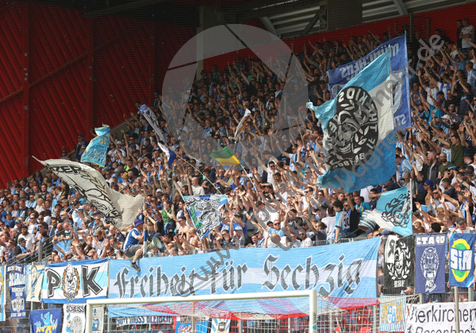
119	209
399	267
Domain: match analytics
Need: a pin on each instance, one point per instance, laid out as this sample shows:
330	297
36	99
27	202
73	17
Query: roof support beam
269	25
402	10
311	23
122	8
274	10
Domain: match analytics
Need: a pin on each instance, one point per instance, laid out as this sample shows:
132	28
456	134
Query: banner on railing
141	320
430	263
461	260
17	297
440	317
34	277
75	282
45	321
16	285
333	270
16	275
74	318
392	313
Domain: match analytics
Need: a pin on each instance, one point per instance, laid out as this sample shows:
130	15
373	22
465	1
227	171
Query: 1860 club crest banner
430	263
75	282
399	267
119	209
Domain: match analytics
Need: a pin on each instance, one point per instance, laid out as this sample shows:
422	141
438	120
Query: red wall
445	19
62	74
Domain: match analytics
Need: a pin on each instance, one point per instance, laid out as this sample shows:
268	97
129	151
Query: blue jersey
131	239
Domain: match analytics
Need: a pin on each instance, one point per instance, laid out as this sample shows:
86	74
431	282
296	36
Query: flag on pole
170	154
358	130
225	157
96	150
118	209
242	123
393	211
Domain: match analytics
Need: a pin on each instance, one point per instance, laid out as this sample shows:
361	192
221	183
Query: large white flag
119	209
242	123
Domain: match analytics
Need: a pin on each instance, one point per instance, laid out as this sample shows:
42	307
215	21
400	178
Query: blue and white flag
401	94
17	297
358	130
169	153
34	278
430	252
152	119
64	245
16	275
96	151
393	211
251	270
75	282
220	325
461	260
204	211
46	321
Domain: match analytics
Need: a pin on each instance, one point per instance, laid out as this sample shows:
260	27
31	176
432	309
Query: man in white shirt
305	240
467	33
462	226
196	188
30	239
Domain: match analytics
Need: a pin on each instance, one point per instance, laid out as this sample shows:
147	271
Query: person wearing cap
29	238
132	247
462	224
21	252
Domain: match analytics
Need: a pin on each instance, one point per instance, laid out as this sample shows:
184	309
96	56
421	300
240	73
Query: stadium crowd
436	155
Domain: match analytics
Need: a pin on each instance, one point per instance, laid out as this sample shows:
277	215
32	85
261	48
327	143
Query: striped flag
225	157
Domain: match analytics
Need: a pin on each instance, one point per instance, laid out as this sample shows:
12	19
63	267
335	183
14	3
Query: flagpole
216	188
457	308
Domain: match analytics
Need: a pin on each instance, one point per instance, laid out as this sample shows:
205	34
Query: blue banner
333	270
398	47
17	296
359	136
96	150
45	321
430	252
461	260
75	282
200	327
16	275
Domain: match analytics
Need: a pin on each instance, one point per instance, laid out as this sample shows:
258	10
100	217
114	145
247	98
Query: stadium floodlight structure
310	297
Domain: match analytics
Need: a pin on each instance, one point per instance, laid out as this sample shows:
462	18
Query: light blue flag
393	211
96	151
398	47
358	130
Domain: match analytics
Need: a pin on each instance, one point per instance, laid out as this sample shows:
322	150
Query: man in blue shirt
132	247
